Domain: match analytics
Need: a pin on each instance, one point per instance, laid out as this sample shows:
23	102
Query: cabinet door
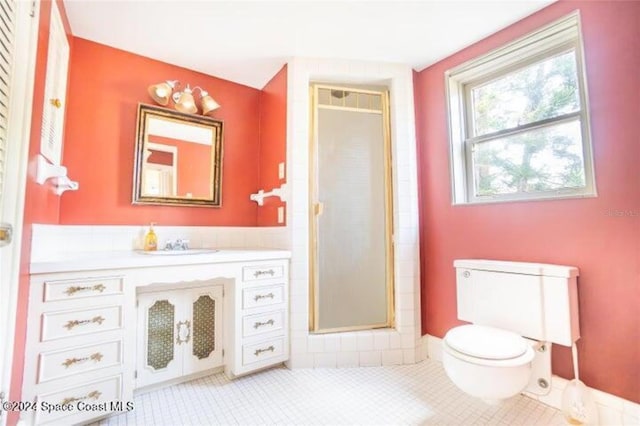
55	89
204	349
162	330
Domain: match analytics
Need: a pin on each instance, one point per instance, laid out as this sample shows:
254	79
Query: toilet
515	310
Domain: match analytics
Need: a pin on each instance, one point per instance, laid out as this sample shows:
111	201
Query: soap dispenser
151	239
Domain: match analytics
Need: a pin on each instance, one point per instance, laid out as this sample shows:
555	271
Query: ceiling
248	41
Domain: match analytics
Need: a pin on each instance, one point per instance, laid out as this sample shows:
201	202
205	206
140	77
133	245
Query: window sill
545	197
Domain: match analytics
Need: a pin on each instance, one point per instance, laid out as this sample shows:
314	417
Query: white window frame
557	37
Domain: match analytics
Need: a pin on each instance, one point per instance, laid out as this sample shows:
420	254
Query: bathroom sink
178	252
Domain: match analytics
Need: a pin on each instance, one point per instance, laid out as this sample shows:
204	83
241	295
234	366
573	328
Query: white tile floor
419	394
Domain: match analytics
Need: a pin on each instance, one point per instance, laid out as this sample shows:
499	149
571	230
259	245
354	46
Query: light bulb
186	103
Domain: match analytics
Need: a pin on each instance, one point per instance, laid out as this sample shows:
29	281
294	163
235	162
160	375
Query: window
518	120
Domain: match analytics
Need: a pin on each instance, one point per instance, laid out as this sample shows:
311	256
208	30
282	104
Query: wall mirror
178	158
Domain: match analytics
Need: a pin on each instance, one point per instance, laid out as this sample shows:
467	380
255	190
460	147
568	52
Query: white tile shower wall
612	410
50	241
388	347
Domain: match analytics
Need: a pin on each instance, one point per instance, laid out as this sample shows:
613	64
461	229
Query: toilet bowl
486	362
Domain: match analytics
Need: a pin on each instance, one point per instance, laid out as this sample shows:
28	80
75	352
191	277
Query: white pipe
574	354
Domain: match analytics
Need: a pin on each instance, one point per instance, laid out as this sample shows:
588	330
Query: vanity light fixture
184	100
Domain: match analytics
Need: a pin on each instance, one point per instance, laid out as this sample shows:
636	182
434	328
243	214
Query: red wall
106	85
273	143
580	232
41	205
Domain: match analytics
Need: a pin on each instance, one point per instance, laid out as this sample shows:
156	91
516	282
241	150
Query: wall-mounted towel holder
45	171
275	192
63	183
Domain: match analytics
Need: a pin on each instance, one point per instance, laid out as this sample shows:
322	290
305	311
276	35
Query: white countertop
89	261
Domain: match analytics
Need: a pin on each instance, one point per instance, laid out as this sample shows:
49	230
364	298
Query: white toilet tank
535	300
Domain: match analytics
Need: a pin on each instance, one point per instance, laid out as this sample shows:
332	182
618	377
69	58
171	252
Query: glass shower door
351	196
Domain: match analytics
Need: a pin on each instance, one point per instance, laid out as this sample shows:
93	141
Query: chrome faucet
178	244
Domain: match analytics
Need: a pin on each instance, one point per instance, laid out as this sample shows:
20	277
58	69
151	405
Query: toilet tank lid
525	268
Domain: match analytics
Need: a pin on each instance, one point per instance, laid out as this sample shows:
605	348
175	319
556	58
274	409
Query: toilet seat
487	346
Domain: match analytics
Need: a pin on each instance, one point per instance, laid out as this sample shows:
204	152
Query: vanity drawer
262	296
253	325
60	324
257	352
54	365
252	273
102	391
74	289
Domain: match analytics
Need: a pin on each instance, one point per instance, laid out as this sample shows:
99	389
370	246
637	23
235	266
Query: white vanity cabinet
75	344
179	333
258	318
101	325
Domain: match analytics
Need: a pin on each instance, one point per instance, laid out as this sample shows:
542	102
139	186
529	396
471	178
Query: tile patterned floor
419	394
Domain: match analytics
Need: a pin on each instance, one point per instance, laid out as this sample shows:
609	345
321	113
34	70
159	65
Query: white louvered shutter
7	42
55	89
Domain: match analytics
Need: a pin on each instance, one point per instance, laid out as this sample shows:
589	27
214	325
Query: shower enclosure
351	212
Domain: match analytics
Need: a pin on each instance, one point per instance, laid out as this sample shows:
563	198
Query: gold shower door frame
315	206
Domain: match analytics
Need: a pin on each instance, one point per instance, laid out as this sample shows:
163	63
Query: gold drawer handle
264	272
260	324
91	395
259	351
263	296
72	323
97	357
55	102
74	289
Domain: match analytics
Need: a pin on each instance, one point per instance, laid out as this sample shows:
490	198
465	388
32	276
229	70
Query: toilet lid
486	342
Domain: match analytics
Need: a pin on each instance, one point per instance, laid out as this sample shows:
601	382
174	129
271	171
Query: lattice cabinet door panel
162	331
179	333
203	351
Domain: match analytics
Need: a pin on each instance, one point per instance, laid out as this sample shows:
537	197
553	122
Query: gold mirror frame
148	112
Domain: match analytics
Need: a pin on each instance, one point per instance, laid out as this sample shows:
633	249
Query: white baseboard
612	410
